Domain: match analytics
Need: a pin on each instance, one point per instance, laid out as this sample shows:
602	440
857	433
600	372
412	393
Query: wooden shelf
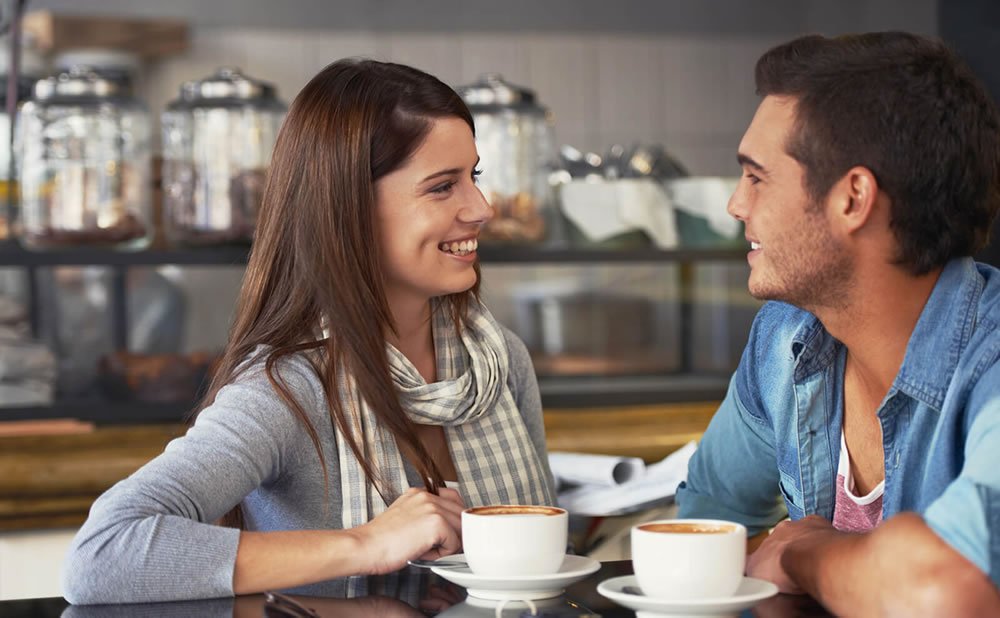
650	432
149	38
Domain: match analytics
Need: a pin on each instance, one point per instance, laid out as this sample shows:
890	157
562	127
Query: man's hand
901	568
766	562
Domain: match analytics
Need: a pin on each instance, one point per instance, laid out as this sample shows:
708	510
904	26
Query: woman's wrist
365	557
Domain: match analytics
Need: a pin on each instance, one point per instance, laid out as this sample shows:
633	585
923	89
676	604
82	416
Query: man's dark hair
905	107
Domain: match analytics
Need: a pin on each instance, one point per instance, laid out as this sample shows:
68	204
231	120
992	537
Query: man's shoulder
981	352
989	301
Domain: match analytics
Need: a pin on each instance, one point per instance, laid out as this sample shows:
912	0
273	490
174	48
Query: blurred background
608	133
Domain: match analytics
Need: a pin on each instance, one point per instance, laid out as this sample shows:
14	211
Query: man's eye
444	187
753	178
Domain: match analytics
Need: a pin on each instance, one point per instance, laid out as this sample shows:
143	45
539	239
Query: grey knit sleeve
150	537
524	387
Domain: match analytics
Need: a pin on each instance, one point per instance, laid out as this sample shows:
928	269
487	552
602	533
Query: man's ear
854	198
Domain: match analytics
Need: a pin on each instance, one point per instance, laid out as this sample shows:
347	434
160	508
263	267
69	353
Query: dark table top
414	593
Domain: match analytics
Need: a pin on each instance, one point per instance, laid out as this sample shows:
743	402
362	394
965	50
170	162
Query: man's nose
736	207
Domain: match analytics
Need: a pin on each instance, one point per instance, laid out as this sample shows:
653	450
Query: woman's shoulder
520	359
295	368
521	378
255	387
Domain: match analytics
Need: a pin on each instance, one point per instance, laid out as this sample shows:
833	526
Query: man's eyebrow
745	160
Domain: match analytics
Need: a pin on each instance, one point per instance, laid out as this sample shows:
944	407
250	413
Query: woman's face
430	212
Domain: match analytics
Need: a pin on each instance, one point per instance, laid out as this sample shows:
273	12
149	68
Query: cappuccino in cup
513	539
689	558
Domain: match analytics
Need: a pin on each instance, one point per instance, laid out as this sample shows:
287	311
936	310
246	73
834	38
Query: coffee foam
514	509
688	528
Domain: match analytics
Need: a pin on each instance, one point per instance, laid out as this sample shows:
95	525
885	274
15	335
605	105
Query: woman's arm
151	536
417	525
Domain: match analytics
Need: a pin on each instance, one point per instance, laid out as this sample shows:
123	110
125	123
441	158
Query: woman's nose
476	209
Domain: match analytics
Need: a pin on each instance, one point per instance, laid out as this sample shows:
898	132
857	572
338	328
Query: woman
362	373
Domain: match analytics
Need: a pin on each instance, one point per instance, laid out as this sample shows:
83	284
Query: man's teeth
460	248
754	246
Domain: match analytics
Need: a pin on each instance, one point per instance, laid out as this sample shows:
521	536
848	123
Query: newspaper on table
599	492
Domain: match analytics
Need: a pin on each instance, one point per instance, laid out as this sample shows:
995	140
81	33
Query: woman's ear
854	198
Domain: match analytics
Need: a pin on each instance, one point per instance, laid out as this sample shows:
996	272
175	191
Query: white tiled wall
693	94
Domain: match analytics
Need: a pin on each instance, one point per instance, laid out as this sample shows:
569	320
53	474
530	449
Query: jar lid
492	91
79	82
114	63
226	83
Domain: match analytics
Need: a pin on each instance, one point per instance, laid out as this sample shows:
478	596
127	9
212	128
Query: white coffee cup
511	539
689	558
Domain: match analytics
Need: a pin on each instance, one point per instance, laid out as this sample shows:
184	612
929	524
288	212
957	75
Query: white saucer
519	587
750	592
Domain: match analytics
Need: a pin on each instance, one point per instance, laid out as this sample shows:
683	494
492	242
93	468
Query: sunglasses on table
278	605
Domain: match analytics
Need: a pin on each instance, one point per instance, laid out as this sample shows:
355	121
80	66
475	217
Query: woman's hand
417	525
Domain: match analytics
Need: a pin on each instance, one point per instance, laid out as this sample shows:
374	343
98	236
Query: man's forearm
901	568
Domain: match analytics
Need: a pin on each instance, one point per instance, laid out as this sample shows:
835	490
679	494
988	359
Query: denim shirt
773	446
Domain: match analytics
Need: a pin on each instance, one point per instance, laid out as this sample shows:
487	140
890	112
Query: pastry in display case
515	141
130	376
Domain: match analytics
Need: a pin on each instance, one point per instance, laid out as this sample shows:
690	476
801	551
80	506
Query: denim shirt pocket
793	496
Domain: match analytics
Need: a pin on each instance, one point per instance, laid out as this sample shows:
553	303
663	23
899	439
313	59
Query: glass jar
31	68
514	136
217	142
85	164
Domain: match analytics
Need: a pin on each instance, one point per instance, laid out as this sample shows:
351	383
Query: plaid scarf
493	454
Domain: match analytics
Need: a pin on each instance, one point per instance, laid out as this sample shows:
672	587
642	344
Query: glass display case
604	327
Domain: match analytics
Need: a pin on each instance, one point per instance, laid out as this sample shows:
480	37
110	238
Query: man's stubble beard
815	274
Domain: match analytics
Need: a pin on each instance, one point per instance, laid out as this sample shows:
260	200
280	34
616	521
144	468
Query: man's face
794	256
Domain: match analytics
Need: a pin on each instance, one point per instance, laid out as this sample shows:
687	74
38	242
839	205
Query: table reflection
410	593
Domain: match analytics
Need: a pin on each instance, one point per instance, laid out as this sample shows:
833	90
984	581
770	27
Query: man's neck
877	321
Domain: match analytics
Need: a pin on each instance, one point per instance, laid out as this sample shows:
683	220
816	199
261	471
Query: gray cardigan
148	538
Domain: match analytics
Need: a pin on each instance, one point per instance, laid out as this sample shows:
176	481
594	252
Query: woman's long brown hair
315	256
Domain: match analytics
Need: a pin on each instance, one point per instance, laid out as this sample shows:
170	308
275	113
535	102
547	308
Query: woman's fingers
418	524
451	495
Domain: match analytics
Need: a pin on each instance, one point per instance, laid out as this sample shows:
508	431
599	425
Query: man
866	406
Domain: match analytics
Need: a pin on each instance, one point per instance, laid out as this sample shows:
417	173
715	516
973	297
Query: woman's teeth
460	248
754	246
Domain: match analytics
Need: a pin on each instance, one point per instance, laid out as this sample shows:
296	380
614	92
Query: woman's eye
444	187
475	175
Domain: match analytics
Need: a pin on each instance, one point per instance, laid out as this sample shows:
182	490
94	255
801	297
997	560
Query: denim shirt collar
941	333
